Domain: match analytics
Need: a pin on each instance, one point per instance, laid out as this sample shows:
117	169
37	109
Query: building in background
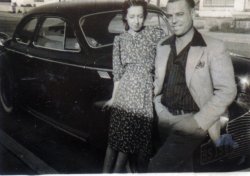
5	5
206	8
23	5
224	8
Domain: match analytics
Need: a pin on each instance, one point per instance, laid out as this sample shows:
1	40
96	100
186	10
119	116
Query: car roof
81	8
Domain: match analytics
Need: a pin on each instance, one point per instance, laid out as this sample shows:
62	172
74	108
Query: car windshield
100	29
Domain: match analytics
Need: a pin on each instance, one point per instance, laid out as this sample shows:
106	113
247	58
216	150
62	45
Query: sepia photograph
124	86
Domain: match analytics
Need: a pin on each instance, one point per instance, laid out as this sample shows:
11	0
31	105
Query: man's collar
197	40
169	41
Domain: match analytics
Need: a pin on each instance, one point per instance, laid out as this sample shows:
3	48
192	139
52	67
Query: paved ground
8	22
10	15
237	43
30	146
16	159
11	164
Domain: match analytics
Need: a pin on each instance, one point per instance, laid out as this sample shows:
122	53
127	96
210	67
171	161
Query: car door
67	83
22	65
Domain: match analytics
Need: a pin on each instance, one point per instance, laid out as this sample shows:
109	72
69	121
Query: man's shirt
176	94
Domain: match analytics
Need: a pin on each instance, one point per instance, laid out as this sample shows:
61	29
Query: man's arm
222	75
158	65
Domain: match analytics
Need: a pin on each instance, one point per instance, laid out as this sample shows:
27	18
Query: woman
132	108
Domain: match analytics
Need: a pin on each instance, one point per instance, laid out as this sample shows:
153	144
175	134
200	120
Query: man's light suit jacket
210	80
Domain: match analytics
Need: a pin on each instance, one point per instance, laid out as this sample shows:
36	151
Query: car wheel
6	92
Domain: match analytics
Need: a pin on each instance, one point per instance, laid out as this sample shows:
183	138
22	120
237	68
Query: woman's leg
142	163
109	160
121	162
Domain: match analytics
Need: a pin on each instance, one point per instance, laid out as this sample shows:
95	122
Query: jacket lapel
162	64
194	55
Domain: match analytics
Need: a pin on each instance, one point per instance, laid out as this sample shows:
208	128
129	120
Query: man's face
180	17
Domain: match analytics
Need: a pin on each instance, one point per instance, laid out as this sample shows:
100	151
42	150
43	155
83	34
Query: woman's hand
108	104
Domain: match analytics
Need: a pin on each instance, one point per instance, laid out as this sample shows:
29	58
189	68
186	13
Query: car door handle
100	104
53	77
18	39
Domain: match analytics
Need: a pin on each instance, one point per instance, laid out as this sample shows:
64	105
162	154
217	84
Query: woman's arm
111	100
117	70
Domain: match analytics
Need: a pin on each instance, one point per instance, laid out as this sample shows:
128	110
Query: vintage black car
58	67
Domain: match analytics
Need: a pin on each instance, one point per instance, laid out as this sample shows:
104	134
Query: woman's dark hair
129	3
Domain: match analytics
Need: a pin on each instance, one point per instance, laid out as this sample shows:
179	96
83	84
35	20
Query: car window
71	42
25	33
96	29
100	29
155	19
56	34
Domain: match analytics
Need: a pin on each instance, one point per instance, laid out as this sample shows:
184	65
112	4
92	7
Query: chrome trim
58	62
54	49
15	51
235	54
55	124
23	43
99	69
28	55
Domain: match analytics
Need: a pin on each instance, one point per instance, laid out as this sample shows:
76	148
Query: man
194	85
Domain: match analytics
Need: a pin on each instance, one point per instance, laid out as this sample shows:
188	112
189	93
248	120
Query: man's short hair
191	3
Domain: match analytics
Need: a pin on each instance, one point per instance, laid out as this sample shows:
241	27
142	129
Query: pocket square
201	64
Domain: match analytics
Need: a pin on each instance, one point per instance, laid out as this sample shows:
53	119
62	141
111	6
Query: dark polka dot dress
132	112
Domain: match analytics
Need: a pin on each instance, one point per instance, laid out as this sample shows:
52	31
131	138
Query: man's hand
160	109
164	116
226	140
190	126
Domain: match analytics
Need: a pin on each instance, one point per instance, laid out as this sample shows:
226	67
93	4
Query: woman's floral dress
132	113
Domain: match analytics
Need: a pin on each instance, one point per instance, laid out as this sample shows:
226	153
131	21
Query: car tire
6	92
